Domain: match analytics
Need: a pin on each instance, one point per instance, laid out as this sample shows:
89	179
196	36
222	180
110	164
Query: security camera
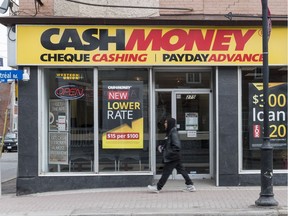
26	74
4	5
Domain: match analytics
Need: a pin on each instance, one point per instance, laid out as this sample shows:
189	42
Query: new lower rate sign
122	115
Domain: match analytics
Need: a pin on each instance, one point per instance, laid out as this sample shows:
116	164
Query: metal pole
266	196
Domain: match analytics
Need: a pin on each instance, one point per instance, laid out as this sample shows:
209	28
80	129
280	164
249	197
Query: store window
70	146
252	116
123	120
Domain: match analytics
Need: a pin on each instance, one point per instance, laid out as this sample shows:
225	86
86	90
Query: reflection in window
70	131
252	125
163	111
182	79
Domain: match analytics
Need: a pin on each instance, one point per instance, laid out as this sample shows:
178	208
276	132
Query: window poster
122	115
277	102
191	121
58	148
58	115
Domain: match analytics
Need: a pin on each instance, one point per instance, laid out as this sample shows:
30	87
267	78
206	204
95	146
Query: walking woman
171	158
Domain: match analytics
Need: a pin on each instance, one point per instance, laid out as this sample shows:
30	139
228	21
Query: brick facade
201	7
29	7
4	104
64	8
277	7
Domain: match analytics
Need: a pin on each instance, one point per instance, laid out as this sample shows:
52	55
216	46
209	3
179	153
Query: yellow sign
68	76
139	45
125	137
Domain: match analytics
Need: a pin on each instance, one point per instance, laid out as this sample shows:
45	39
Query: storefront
92	113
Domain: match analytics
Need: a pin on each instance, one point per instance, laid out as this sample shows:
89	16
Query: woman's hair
171	123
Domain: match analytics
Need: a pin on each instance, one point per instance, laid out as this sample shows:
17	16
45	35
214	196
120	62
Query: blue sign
10	75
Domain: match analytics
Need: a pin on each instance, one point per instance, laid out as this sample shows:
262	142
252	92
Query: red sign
118	95
69	92
256	131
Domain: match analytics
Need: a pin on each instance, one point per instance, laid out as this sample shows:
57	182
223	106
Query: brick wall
81	10
64	8
196	5
28	7
277	7
4	103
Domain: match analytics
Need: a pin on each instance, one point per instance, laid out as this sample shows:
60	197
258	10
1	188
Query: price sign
124	136
277	102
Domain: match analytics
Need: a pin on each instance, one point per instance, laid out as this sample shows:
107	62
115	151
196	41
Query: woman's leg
180	169
167	170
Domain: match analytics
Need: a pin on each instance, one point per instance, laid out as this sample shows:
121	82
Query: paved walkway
207	200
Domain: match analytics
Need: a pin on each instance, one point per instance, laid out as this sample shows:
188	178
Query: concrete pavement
207	200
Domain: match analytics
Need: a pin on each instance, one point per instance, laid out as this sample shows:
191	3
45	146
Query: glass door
192	112
191	109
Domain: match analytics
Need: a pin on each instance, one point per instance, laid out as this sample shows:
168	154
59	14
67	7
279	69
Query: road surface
8	164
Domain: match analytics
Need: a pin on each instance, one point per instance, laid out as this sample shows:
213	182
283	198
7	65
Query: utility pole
266	196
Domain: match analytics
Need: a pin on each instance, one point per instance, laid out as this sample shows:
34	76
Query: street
8	164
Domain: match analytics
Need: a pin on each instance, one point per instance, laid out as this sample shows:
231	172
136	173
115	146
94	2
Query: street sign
10	75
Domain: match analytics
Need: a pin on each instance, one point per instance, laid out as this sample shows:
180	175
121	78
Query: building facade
100	87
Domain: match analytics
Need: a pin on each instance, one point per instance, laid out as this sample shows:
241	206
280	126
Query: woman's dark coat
172	144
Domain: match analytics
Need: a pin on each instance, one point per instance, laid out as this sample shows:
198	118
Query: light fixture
26	74
4	5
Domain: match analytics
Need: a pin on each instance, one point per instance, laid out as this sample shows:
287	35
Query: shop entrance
192	110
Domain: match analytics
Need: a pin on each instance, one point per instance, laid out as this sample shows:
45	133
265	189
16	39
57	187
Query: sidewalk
207	200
